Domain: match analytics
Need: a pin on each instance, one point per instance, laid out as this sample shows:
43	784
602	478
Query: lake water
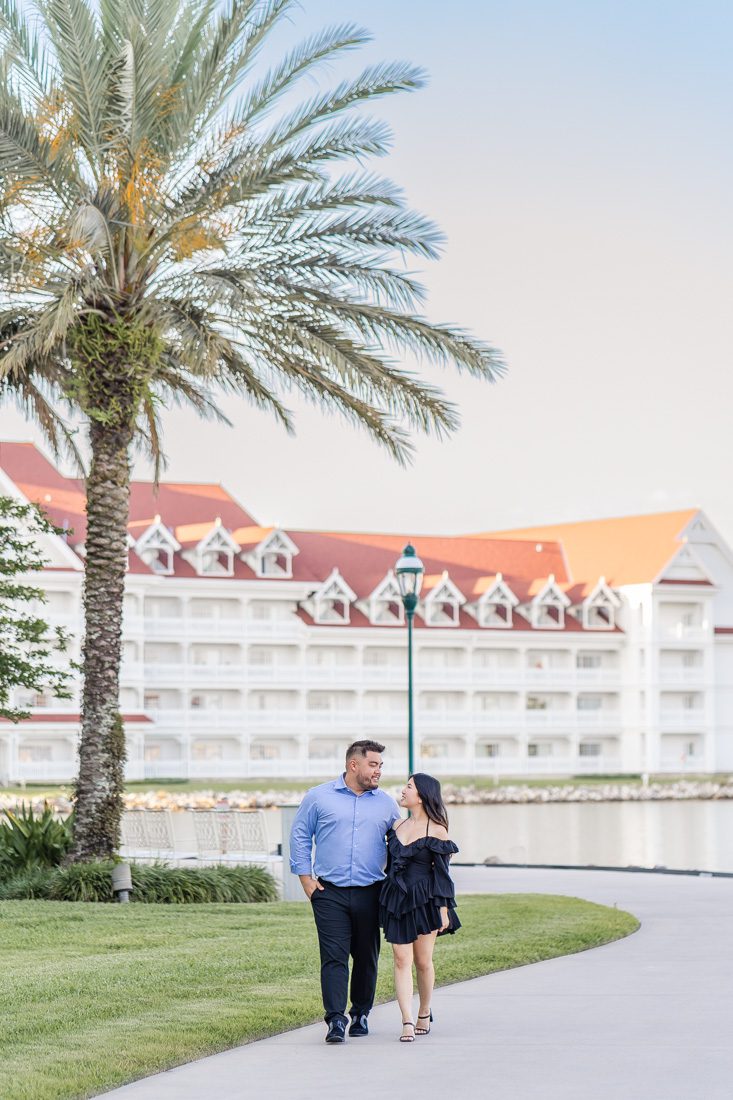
695	836
680	835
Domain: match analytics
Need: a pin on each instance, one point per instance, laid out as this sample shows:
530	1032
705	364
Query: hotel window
590	749
34	754
264	752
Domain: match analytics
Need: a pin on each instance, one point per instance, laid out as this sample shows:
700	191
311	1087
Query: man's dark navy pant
347	919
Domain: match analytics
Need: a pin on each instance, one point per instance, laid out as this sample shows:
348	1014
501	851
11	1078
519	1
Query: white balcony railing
165	769
598	675
549	719
549	675
46	771
604	718
682	719
679	632
682	675
217	718
497	719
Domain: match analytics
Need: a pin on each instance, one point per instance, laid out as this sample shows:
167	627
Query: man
348	818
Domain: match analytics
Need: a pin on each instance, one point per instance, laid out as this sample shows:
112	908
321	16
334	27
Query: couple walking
357	829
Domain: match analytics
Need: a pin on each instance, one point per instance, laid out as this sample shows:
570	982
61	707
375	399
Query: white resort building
600	647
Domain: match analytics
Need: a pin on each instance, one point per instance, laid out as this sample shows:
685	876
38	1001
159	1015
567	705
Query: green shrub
82	882
183	885
28	840
158	883
32	883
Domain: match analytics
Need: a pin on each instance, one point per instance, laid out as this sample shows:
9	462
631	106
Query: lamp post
409	572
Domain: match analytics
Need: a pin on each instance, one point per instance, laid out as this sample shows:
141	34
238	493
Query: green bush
82	882
28	840
154	883
32	883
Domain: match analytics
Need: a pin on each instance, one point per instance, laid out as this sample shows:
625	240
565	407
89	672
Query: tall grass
152	883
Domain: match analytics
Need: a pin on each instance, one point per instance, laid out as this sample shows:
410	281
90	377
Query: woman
417	902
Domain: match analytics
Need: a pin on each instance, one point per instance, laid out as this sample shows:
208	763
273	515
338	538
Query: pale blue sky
578	157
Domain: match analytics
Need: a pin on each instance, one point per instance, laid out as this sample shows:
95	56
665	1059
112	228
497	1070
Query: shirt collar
340	784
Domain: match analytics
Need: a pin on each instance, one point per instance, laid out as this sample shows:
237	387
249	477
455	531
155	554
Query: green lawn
96	995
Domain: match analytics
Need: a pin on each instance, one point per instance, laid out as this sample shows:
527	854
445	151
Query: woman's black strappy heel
407	1038
424	1030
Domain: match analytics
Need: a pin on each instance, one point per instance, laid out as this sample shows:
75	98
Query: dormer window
273	557
214	555
385	603
156	548
599	609
276	564
443	604
548	607
496	606
332	601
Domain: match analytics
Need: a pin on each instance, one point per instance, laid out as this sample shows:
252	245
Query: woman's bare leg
403	981
423	953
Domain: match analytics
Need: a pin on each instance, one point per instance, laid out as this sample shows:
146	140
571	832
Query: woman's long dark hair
428	788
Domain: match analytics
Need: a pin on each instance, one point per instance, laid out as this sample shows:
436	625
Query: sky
578	158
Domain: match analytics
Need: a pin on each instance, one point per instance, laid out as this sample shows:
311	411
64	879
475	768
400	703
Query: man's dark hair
361	748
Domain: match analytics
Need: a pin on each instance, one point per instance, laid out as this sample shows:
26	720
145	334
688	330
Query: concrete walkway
646	1018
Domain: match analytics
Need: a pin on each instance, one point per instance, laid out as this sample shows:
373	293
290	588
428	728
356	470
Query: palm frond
24	50
74	33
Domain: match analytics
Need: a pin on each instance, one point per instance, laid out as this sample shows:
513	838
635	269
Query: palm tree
174	226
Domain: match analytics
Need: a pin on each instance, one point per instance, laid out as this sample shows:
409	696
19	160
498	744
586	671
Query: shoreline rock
465	795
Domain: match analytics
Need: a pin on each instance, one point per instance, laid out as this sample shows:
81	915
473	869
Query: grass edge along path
98	995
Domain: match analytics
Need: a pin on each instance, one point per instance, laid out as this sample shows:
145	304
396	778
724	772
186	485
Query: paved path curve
646	1018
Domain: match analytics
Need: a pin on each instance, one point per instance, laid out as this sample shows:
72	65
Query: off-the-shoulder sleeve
442	851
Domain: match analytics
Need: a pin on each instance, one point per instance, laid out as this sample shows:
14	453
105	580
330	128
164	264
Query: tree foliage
29	648
168	225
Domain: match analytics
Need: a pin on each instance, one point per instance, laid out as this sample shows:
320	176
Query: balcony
682	675
183	672
549	676
681	632
132	670
208	674
47	771
377	675
597	676
331	674
196	769
441	719
604	718
278	628
681	718
217	718
335	719
549	719
165	769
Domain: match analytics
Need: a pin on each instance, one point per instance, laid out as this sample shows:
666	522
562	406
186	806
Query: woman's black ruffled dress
417	885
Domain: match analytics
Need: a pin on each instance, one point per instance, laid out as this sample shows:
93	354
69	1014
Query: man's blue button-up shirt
349	831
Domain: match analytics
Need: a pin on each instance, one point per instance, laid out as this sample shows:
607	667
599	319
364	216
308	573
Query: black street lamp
409	571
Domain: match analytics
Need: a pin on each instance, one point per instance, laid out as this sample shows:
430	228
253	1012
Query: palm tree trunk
100	783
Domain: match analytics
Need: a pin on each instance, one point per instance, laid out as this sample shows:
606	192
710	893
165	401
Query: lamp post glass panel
409	572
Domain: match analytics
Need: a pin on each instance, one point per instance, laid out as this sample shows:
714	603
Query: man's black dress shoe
359	1026
336	1030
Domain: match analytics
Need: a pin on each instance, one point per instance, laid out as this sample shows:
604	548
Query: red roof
525	559
624	550
177	503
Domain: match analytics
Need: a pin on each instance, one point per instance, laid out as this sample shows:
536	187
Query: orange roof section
624	550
